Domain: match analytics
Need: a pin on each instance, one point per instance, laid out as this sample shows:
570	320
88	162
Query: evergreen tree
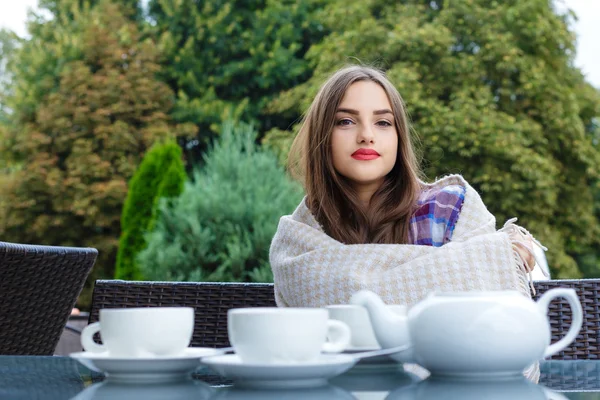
492	93
160	174
220	227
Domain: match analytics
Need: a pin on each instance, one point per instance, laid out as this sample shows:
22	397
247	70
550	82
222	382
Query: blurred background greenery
157	131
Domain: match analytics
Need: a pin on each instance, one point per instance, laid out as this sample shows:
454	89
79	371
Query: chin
367	180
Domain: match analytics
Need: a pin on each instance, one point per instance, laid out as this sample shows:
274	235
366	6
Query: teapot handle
576	320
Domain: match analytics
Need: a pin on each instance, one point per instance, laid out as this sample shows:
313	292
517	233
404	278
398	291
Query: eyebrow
355	112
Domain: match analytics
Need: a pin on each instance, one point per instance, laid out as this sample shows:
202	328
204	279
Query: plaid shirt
436	216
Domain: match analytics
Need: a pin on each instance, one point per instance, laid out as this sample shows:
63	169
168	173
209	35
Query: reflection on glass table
432	388
183	390
64	378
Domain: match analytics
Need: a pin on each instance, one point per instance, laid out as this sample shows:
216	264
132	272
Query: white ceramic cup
267	335
141	332
358	320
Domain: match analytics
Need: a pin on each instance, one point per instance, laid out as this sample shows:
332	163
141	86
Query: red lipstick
365	154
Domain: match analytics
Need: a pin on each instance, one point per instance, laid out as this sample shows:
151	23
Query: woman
369	222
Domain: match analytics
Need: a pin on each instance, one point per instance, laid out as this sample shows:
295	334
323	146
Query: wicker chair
585	346
39	286
212	300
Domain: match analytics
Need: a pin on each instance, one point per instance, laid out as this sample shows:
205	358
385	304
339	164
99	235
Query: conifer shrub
220	227
161	174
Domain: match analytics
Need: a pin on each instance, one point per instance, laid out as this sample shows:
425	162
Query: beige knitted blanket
313	270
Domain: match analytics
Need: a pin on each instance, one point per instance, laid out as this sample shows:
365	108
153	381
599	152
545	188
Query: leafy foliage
490	86
493	94
161	174
229	58
85	108
8	44
221	226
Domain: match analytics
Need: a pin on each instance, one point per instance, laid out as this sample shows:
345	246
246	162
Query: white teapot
471	333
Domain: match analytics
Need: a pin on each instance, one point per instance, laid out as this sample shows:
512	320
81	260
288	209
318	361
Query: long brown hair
330	197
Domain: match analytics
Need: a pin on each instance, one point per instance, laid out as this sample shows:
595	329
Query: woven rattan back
212	300
39	286
585	346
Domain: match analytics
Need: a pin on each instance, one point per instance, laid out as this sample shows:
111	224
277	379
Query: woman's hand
525	250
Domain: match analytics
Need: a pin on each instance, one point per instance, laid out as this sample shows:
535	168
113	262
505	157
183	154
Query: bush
161	174
220	228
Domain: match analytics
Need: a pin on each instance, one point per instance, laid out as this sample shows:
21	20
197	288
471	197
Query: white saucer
371	361
301	375
356	349
145	369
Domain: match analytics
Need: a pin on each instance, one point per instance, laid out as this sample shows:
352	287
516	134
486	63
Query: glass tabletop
33	377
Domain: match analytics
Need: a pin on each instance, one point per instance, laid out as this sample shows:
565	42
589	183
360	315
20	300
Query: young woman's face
364	139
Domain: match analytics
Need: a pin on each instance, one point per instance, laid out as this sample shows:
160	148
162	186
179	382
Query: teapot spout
391	329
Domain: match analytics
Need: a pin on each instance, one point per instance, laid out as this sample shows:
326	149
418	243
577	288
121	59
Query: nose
366	134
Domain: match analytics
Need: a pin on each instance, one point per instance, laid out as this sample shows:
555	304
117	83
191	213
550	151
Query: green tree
220	228
85	108
160	174
493	94
229	58
8	44
68	9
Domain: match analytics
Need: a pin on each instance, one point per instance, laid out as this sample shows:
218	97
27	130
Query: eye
344	122
384	123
